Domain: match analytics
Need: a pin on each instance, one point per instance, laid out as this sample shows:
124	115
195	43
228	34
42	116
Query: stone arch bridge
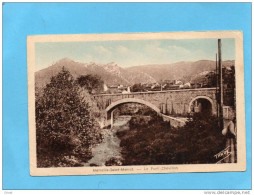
170	104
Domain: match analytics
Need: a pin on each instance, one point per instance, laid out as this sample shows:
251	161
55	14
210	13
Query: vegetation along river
108	152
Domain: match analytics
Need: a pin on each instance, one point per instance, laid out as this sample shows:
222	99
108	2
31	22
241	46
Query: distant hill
180	70
113	74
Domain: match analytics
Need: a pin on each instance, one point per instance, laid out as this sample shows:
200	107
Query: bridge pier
172	102
112	119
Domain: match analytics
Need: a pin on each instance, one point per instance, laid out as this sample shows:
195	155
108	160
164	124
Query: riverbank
154	142
108	152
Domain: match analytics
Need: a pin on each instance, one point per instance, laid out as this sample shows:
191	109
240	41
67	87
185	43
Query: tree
138	88
154	142
65	127
229	86
92	83
210	79
198	141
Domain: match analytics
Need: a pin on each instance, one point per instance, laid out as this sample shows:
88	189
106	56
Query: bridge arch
131	100
175	122
208	99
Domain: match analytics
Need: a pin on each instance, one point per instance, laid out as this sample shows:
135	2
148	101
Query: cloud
102	50
123	50
178	49
86	58
149	53
101	54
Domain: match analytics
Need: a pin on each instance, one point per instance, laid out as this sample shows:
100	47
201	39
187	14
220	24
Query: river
108	152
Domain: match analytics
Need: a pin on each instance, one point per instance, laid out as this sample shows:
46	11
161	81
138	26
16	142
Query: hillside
180	70
113	74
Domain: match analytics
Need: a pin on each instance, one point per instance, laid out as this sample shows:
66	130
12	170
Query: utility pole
220	86
216	91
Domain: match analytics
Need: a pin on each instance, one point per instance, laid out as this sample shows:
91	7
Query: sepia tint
136	103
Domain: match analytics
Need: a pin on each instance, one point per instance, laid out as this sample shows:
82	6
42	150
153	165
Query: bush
156	143
200	139
113	162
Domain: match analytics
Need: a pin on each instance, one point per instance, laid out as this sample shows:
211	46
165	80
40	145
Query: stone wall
172	102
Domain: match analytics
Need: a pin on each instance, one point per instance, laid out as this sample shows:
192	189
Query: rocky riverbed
108	152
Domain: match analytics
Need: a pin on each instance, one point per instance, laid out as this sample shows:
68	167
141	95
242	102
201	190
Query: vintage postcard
135	103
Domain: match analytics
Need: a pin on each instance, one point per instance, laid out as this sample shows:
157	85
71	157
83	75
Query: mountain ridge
113	74
175	70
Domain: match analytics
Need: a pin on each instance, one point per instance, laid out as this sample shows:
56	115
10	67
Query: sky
127	53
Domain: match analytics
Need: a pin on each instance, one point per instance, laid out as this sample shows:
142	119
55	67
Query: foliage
228	75
154	142
132	109
199	140
229	86
65	127
210	79
92	83
138	88
113	162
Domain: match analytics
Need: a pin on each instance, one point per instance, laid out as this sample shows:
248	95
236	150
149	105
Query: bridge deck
152	92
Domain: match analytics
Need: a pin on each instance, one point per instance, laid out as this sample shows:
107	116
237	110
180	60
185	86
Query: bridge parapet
155	92
170	102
